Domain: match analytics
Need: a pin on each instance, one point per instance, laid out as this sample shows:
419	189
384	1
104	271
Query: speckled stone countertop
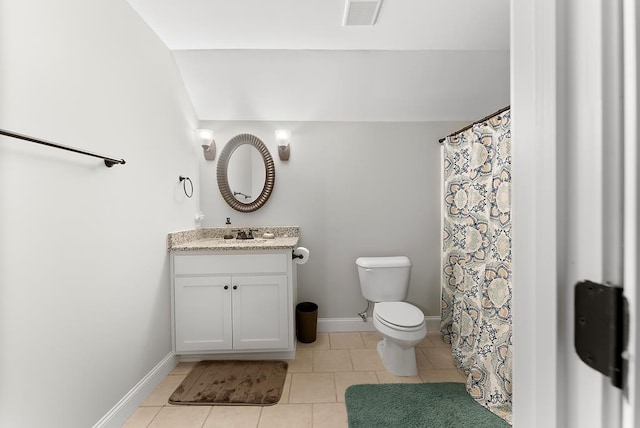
212	238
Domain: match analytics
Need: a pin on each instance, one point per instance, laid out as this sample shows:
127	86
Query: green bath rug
413	405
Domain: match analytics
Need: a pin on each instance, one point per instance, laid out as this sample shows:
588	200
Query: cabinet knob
235	287
226	287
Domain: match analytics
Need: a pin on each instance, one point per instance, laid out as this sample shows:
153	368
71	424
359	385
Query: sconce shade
282	139
283	136
205	137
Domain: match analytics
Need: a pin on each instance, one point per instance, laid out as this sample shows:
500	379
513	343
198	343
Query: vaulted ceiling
294	60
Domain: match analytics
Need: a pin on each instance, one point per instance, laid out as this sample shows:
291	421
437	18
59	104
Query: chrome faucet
245	234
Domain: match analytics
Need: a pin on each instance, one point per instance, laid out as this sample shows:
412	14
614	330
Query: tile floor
313	393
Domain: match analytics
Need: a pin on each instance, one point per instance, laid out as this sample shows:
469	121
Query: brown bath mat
232	383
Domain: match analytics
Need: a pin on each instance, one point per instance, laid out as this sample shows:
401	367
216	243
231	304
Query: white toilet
385	281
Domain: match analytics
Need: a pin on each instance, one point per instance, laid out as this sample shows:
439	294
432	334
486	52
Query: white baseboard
130	402
331	325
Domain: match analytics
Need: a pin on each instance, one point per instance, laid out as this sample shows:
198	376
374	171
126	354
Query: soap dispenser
227	232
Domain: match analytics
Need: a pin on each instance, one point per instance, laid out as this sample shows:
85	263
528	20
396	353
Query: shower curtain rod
441	140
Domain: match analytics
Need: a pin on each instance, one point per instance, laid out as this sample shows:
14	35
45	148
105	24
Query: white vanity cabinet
236	302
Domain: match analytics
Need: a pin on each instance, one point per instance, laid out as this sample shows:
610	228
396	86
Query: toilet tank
384	279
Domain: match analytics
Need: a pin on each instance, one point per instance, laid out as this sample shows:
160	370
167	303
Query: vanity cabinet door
202	313
260	313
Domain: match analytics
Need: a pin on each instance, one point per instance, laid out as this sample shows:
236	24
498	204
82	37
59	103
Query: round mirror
246	173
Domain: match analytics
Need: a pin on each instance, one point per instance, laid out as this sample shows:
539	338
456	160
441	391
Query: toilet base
396	359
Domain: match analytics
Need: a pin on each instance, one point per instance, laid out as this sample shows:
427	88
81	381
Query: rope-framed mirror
234	197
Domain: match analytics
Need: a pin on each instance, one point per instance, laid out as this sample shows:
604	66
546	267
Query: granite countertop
212	239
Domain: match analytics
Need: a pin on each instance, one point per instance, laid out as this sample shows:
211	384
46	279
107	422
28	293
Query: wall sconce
282	138
205	137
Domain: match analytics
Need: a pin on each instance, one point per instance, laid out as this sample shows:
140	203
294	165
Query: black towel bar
107	160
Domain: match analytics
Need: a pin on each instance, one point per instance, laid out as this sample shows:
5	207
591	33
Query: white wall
84	292
346	85
355	189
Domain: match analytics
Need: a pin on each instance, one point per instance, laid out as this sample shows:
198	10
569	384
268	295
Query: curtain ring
184	186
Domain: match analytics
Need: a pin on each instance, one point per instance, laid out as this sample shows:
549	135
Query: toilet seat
400	316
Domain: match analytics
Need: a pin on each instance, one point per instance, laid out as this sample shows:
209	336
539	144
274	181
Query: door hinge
600	328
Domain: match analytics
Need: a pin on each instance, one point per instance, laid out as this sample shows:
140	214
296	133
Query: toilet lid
402	314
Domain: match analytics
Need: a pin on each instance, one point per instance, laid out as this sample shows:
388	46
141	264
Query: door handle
226	287
235	287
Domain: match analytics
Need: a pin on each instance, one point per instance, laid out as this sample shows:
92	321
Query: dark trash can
306	321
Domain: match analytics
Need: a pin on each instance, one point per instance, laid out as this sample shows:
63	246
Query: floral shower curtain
476	275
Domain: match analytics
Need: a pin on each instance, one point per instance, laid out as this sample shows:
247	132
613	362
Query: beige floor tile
346	379
183	368
346	341
366	360
322	342
161	394
440	357
286	388
442	375
286	416
302	363
386	377
313	393
332	360
233	417
312	388
422	361
333	415
141	417
180	416
426	343
371	339
436	339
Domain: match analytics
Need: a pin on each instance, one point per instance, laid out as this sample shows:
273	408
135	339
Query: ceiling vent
361	12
